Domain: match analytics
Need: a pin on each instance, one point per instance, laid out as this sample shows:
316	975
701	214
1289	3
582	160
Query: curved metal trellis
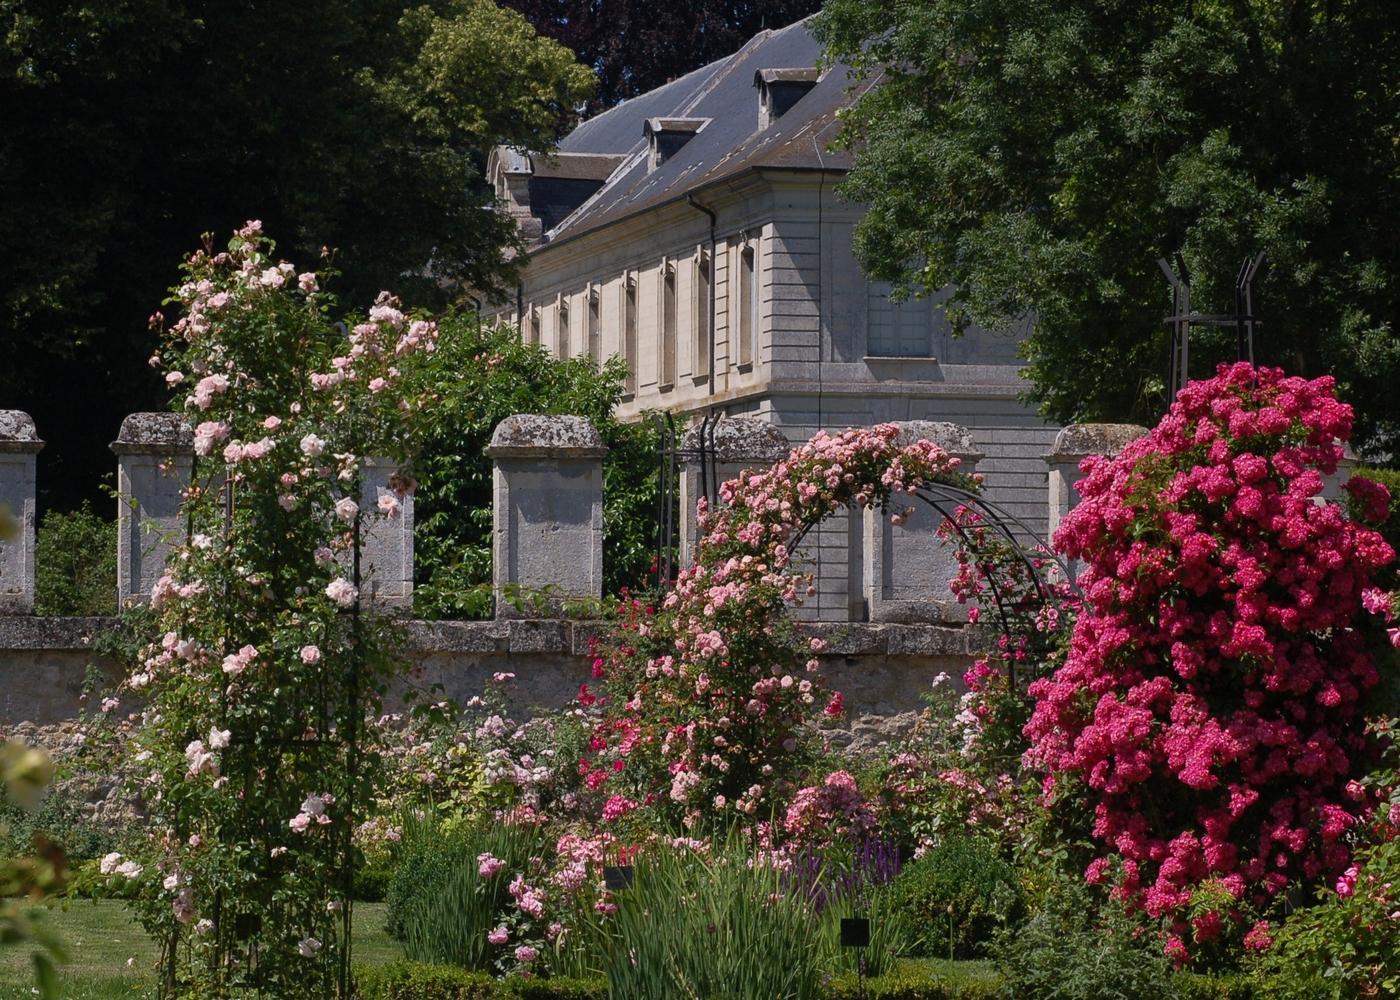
1026	545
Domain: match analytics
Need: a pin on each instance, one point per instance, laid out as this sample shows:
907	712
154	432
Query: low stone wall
882	669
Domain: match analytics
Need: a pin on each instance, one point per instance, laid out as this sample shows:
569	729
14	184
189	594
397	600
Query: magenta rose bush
1209	710
708	694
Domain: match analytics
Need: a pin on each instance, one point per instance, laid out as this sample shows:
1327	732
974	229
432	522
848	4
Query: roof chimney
665	136
780	89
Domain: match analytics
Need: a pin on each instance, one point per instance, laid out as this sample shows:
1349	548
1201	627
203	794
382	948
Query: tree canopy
635	46
128	127
1039	156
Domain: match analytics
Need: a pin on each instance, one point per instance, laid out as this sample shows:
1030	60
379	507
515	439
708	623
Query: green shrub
415	981
1221	986
62	819
1079	948
372	880
412	981
439	906
921	980
75	564
558	989
958	895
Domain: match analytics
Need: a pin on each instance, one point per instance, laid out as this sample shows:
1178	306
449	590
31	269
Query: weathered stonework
1072	445
155	460
737	444
19	444
386	543
547	504
908	568
882	670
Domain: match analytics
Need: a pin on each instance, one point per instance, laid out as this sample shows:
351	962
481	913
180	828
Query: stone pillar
386	545
1072	445
908	568
1332	485
155	459
547	505
740	444
19	444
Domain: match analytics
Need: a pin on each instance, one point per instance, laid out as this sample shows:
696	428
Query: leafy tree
126	125
1040	155
635	46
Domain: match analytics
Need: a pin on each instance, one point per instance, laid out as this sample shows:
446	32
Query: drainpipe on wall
520	309
714	277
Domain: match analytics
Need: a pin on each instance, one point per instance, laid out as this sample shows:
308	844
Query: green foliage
1222	986
1079	948
697	926
75	564
479	376
1038	158
1390	530
414	981
362	125
58	818
29	873
921	980
440	906
959	894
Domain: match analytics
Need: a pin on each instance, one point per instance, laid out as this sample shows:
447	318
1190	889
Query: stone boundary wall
882	669
547	505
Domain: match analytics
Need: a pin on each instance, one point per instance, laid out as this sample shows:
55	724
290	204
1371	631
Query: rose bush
260	666
1209	709
710	691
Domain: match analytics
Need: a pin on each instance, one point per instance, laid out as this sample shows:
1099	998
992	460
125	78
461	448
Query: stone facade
719	266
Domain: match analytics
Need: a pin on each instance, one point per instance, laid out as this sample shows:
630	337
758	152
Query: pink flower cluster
708	692
1209	704
834	810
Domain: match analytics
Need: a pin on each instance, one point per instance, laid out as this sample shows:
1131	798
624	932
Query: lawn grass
102	936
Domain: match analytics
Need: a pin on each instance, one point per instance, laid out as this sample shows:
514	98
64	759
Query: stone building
695	231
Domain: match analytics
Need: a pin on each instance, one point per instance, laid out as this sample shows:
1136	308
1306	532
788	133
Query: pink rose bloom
207	435
525	954
498	936
346	509
272	423
389	505
207	388
342	591
312	446
310	655
299	822
486	867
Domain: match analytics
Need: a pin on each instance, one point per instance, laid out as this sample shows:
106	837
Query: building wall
827	348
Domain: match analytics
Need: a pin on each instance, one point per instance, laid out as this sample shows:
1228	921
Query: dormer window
780	89
665	137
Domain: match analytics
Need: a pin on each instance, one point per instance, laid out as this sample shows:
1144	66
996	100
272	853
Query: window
595	326
700	315
629	331
561	332
666	352
747	318
897	329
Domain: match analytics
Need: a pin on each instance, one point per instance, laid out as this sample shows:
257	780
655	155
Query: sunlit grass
111	958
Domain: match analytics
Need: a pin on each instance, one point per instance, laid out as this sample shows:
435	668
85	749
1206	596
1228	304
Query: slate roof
729	144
